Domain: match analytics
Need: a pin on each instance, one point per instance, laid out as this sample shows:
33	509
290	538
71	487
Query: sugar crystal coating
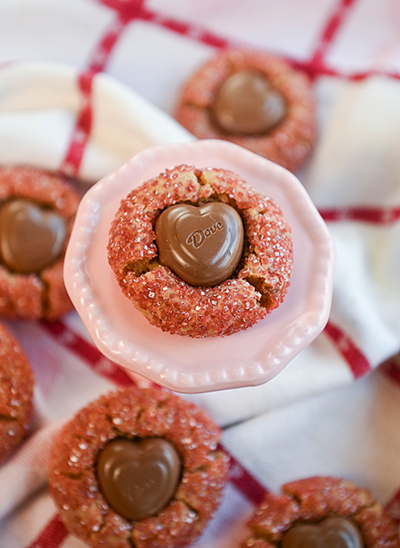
263	275
16	393
41	294
311	501
135	414
289	142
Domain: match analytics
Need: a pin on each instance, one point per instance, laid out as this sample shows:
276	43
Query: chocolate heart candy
138	478
31	236
333	532
202	245
247	104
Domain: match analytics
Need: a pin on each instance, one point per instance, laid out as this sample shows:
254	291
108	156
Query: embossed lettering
196	238
136	490
200	244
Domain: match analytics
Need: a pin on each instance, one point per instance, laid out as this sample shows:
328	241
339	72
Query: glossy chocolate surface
31	236
247	104
202	245
335	532
138	478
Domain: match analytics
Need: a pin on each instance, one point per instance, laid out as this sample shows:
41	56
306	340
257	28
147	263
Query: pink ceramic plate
184	364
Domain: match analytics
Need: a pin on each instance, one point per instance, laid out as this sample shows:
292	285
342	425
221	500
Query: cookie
201	253
138	468
321	511
37	210
16	393
255	100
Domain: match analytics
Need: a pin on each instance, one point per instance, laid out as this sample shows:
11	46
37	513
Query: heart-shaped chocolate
138	478
335	532
202	245
31	236
248	104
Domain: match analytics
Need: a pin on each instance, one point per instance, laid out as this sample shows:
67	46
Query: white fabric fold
313	418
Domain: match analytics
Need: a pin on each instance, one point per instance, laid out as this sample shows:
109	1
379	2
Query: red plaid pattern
126	12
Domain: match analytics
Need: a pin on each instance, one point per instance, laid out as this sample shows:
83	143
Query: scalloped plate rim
166	371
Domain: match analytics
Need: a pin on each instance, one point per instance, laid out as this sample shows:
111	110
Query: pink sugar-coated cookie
257	287
40	294
16	392
315	501
199	364
289	142
134	414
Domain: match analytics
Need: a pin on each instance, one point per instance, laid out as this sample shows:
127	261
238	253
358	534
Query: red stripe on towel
73	158
52	535
188	30
80	135
105	47
130	10
314	71
88	353
366	214
356	360
55	532
245	482
391	368
135	9
330	32
393	507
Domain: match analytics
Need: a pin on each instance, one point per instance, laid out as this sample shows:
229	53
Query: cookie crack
118	433
261	287
122	433
141	267
7	418
94	533
206	465
188	506
45	296
82	438
160	404
70	475
140	414
130	542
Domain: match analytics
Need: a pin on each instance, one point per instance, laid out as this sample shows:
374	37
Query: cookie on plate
254	99
138	468
16	393
321	511
201	253
37	210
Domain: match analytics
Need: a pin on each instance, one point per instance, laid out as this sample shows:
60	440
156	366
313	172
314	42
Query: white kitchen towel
86	84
